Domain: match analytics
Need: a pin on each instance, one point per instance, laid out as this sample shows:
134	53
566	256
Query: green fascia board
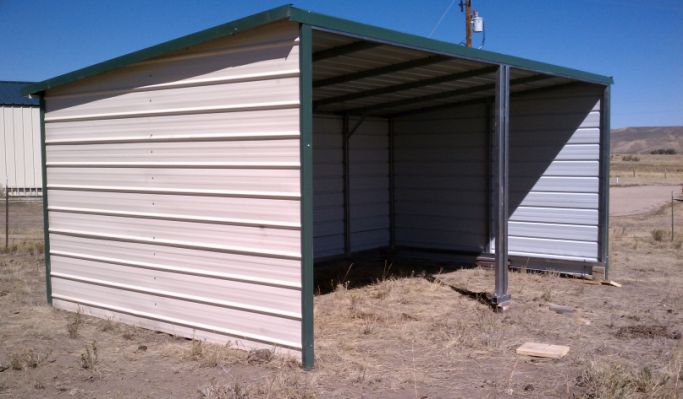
324	22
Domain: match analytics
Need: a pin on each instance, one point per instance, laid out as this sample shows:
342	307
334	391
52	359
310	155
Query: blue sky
639	43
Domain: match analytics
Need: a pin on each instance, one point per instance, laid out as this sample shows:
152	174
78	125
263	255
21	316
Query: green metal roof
10	94
290	13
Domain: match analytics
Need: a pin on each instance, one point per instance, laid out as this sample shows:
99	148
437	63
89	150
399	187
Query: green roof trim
333	24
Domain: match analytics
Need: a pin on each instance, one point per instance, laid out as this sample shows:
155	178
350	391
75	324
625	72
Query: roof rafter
406	86
488	99
442	95
383	70
343	50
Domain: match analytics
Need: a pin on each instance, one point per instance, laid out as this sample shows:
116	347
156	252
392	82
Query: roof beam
443	95
383	70
343	50
406	86
489	99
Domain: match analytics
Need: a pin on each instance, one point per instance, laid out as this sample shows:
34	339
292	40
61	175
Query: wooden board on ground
538	349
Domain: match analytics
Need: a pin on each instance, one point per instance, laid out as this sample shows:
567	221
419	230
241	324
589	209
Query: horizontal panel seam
178	244
553	239
176	111
179	218
553	256
171	320
171	191
178	138
180	270
555	208
178	165
186	83
179	296
595	241
564	224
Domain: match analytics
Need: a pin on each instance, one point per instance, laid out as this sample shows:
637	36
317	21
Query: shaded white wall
369	185
442	179
554	174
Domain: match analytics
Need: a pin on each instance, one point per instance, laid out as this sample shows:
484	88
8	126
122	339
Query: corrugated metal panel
441	166
369	175
328	185
369	185
416	66
20	164
558	200
174	191
554	174
558	231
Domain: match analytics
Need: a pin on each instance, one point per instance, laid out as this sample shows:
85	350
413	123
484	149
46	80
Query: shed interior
403	157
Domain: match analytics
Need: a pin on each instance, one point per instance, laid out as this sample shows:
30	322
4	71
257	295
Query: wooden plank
538	349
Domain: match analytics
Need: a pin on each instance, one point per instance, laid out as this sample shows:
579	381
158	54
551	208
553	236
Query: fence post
672	215
7	216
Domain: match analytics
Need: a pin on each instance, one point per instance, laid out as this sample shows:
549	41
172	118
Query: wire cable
438	23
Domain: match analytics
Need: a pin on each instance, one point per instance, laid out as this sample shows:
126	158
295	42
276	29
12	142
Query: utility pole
466	6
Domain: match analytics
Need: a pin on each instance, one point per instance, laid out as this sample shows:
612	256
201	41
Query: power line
438	23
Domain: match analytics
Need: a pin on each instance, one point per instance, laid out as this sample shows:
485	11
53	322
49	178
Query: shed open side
441	110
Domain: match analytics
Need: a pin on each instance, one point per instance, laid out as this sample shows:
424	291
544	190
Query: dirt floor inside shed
394	338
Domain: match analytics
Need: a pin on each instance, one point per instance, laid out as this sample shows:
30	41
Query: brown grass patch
646	331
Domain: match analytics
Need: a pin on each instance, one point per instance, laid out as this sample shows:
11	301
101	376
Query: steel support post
347	185
501	297
605	117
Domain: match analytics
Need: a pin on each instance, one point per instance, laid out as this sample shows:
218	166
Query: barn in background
20	170
192	187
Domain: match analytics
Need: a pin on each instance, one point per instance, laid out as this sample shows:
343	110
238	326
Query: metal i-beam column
392	189
347	185
501	297
603	244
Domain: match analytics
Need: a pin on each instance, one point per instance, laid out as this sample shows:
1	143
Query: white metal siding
369	175
20	163
554	174
328	186
174	191
369	185
441	169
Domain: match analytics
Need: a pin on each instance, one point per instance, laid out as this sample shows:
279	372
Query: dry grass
90	357
278	386
73	325
25	359
397	337
603	379
647	169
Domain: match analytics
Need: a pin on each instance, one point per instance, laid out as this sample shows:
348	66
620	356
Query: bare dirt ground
634	200
395	338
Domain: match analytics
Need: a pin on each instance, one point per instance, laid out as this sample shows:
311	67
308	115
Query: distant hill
642	140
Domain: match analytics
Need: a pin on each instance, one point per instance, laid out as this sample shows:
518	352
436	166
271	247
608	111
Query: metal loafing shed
190	187
19	141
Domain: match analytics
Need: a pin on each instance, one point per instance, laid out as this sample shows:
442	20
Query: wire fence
21	220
